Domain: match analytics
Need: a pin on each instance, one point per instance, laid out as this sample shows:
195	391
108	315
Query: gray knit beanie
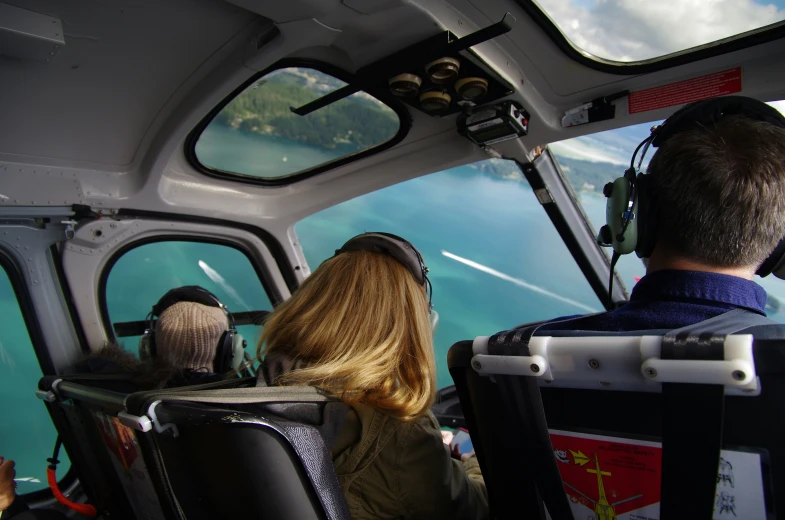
187	334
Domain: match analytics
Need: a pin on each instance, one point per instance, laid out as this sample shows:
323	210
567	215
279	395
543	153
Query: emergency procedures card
613	477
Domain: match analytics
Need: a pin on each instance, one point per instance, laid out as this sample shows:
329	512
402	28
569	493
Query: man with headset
190	338
708	215
190	330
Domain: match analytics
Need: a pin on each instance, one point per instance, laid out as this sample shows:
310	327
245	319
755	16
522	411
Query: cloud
631	30
583	149
612	146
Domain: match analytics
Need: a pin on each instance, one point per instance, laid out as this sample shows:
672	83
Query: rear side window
27	435
142	275
257	135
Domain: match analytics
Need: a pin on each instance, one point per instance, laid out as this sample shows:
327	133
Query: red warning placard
606	477
704	87
612	478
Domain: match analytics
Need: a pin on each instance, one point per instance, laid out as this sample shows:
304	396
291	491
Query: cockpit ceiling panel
120	64
369	29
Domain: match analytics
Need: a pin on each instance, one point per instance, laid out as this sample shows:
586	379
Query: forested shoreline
357	122
264	109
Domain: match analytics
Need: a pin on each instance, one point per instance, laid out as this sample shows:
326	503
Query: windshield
631	31
589	162
495	260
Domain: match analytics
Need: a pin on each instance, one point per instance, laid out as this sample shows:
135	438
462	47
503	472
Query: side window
142	275
495	259
26	430
590	161
257	136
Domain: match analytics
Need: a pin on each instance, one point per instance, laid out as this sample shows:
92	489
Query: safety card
127	459
612	478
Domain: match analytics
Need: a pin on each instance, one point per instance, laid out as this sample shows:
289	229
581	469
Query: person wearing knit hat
187	335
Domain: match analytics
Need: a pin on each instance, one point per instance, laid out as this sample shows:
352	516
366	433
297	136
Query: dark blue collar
700	287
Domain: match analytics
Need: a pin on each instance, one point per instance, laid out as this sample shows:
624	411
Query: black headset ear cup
225	352
774	263
646	216
147	344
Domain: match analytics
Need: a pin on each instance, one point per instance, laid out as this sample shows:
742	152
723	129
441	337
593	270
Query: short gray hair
721	192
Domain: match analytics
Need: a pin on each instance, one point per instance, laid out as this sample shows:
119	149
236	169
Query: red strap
85	509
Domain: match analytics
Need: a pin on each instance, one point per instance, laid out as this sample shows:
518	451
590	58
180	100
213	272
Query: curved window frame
383	96
759	36
106	271
13	272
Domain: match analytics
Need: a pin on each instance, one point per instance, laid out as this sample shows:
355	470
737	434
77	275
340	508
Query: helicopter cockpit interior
236	144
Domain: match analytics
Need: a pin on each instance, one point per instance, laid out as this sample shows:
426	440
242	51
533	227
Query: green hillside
582	175
263	108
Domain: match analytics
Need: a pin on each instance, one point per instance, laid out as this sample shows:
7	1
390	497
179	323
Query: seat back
225	463
619	434
103	452
223	453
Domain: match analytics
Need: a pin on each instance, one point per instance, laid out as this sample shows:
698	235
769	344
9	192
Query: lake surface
495	262
223	148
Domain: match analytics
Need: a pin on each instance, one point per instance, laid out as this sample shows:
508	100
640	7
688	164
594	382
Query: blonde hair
359	326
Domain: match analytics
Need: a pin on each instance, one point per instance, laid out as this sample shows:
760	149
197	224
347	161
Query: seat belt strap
692	420
521	396
522	399
726	323
691	435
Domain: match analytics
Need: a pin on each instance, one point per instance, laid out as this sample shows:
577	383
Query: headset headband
398	248
698	114
229	350
190	293
641	199
708	112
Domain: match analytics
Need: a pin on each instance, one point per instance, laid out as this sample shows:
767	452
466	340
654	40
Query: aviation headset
398	248
229	352
631	210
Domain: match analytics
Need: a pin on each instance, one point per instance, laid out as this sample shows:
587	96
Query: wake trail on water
5	358
213	275
517	281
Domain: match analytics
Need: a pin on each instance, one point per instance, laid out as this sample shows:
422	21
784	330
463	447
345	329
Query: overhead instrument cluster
441	86
439	75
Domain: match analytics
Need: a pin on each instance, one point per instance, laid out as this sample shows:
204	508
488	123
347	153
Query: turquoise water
222	148
495	259
489	221
26	432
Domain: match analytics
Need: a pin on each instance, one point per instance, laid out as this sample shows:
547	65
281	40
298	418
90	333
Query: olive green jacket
390	469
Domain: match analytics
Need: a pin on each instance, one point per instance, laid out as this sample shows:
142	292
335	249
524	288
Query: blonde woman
359	328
